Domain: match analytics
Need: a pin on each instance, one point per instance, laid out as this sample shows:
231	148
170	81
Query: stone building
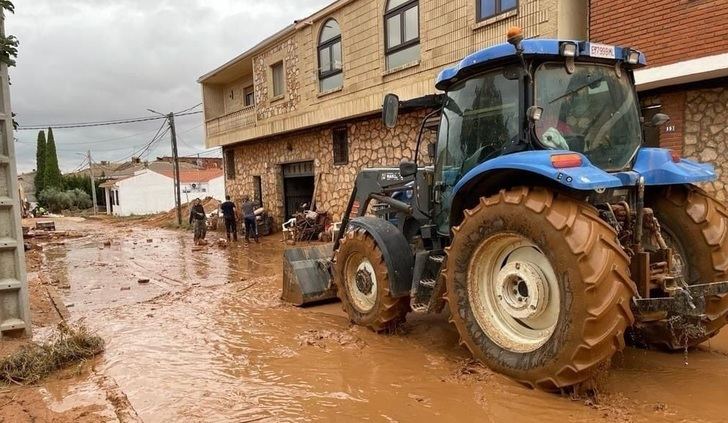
302	107
686	44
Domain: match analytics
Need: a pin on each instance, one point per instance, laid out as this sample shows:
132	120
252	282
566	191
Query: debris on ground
323	338
469	370
33	362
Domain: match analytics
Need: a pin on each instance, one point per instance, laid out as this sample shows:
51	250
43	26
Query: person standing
198	221
251	226
230	213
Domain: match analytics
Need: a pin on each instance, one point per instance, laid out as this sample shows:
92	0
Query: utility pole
93	182
177	193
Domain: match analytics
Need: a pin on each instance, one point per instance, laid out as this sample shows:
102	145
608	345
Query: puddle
208	340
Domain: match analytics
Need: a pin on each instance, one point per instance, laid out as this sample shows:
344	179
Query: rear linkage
657	272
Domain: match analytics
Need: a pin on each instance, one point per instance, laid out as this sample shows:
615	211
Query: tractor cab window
591	111
479	122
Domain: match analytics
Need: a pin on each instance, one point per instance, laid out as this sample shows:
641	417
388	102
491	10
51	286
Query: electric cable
100	123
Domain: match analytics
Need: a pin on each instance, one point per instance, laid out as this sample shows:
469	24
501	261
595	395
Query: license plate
602	51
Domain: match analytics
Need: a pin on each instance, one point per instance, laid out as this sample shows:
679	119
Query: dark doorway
298	184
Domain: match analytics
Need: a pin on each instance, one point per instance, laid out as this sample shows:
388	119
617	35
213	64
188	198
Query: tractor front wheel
363	283
538	287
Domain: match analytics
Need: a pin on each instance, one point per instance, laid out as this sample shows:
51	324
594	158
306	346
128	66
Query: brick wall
672	134
668	31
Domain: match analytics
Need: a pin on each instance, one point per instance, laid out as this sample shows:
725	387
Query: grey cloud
86	60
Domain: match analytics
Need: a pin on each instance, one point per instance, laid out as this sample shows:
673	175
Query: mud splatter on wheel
696	226
362	282
538	287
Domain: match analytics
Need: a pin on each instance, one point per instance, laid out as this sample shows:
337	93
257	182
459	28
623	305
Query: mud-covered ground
207	339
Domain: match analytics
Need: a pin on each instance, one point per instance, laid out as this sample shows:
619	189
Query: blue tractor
549	231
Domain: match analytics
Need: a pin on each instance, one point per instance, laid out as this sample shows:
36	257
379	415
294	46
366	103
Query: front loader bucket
306	275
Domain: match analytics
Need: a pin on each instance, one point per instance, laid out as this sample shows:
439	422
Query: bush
56	200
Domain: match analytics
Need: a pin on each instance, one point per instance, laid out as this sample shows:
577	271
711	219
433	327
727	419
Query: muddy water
208	340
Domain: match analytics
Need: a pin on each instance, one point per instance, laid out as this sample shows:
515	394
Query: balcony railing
232	121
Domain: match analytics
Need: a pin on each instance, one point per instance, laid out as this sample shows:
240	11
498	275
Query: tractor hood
546	48
656	165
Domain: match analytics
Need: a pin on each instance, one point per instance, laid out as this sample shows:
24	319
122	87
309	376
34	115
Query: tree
40	160
8	44
52	173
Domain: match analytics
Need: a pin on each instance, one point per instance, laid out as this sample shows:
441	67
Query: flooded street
207	339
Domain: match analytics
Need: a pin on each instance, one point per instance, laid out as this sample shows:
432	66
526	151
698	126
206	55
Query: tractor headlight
632	56
568	49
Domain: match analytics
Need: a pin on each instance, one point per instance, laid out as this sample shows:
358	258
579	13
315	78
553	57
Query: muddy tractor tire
538	287
695	225
363	283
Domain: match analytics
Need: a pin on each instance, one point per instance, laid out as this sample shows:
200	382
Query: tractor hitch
687	301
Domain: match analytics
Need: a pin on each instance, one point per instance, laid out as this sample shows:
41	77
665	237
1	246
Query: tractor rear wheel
695	225
363	283
538	287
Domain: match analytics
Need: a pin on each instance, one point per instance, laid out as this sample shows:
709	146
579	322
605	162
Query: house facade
299	112
686	44
148	191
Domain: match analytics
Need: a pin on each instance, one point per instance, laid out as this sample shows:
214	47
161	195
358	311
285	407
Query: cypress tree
53	176
40	155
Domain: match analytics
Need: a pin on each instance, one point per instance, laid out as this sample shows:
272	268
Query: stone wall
267	106
370	144
706	133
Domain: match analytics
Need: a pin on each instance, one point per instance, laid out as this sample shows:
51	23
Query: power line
156	138
187	110
35	127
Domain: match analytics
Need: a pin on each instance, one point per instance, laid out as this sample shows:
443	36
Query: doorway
298	186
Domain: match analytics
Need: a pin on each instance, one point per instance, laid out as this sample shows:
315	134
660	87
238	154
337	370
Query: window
230	164
279	82
258	190
329	57
341	146
480	121
249	96
490	8
401	32
117	197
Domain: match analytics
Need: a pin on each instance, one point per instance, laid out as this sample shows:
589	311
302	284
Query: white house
148	191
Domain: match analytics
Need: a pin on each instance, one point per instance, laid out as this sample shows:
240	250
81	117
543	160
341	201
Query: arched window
401	32
331	74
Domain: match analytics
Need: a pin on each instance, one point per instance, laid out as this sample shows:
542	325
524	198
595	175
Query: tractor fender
586	177
659	168
397	252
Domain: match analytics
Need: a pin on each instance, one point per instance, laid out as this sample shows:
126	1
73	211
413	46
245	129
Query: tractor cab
538	94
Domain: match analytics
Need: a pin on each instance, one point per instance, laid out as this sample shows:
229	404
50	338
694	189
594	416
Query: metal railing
240	119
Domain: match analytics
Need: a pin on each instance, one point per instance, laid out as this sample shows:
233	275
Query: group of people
198	219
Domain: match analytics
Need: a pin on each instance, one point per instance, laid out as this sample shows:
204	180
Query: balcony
241	119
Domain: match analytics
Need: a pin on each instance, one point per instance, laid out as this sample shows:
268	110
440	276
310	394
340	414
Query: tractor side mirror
390	110
659	119
407	168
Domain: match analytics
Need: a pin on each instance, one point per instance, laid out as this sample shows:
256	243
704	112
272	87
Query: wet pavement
207	339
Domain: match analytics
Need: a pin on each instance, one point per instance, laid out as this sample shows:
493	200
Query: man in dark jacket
230	214
251	226
198	220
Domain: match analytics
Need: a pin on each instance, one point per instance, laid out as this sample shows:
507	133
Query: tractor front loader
551	233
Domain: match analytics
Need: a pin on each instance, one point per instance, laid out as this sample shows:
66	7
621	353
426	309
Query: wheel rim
514	293
361	283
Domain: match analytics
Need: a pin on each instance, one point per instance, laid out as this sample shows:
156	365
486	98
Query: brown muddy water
207	339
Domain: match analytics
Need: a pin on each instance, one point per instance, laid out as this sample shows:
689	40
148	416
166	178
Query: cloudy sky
96	60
